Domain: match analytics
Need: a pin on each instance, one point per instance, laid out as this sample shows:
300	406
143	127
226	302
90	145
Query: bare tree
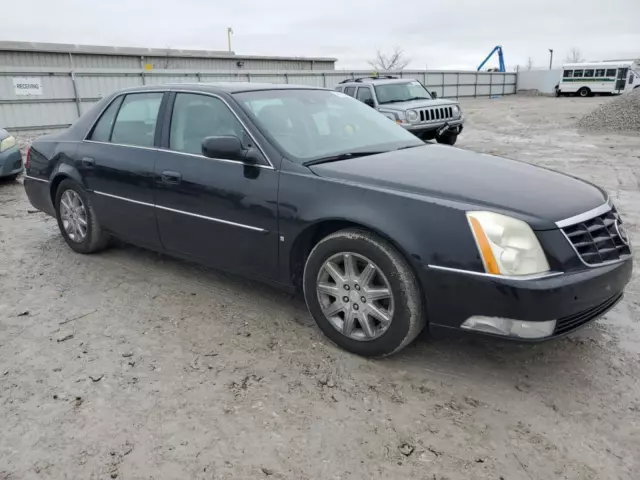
395	60
574	56
529	64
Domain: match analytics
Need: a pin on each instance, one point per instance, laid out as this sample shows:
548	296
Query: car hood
472	180
402	106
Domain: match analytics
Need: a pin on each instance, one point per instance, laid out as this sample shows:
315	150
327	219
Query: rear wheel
77	220
584	92
362	293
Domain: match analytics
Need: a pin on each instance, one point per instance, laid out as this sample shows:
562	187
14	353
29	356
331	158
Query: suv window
102	130
196	117
568	73
136	120
611	72
588	74
364	93
351	91
401	92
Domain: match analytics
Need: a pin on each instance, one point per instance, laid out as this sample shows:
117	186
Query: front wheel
77	220
447	138
363	294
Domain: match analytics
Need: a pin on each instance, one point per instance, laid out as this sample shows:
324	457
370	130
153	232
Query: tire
404	307
584	92
448	138
95	238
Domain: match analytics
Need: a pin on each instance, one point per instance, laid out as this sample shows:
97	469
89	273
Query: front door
621	82
116	164
222	212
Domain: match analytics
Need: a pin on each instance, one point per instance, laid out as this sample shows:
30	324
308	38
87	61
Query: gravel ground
133	365
620	114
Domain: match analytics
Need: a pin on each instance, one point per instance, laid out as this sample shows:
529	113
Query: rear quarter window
351	91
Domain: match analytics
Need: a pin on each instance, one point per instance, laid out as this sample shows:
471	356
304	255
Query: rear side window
611	72
568	74
136	120
588	74
600	72
577	73
102	130
351	91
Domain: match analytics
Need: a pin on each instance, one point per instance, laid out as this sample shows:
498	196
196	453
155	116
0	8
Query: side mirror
369	101
228	147
434	94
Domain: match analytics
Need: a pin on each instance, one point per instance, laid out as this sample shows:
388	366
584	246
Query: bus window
567	74
600	72
611	72
588	74
577	73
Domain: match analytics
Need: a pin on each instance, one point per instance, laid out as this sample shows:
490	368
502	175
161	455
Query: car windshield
313	124
401	92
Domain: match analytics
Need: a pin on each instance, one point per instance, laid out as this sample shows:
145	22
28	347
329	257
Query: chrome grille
435	114
600	239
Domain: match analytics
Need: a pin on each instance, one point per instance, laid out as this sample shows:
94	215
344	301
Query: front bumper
11	162
572	299
421	128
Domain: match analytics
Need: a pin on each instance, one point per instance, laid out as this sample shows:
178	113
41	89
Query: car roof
378	81
222	87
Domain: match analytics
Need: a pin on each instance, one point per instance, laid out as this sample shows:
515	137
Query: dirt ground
132	365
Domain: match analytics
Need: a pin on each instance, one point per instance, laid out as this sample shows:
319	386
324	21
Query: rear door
621	82
116	162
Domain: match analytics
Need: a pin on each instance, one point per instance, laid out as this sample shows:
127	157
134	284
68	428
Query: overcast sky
435	33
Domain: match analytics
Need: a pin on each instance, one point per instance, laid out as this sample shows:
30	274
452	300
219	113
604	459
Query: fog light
510	328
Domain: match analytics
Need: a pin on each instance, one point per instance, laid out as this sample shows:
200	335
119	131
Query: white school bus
587	79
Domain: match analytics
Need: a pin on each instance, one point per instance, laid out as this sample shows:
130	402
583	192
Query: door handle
88	162
170	177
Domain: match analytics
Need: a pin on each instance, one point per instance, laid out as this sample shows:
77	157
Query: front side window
136	121
102	130
611	72
588	74
312	124
577	73
351	91
600	72
196	117
401	92
568	73
364	94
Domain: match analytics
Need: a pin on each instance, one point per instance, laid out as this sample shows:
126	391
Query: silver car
10	159
407	102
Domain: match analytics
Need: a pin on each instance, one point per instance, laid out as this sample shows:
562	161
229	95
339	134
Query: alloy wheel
74	216
355	296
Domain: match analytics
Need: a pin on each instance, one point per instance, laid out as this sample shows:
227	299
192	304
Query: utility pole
550	58
229	32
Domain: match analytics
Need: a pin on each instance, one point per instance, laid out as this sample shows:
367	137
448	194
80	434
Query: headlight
7	143
412	115
507	246
456	111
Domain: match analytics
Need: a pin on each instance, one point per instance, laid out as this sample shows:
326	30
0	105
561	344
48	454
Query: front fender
426	230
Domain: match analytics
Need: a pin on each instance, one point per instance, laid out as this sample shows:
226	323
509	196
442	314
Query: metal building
27	54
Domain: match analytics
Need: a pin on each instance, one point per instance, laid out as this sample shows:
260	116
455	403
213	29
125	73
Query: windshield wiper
393	101
417	98
341	156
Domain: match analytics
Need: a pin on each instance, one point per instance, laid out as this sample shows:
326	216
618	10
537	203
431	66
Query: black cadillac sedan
312	190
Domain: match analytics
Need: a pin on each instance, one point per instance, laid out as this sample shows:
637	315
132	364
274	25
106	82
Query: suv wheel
77	220
447	138
362	293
